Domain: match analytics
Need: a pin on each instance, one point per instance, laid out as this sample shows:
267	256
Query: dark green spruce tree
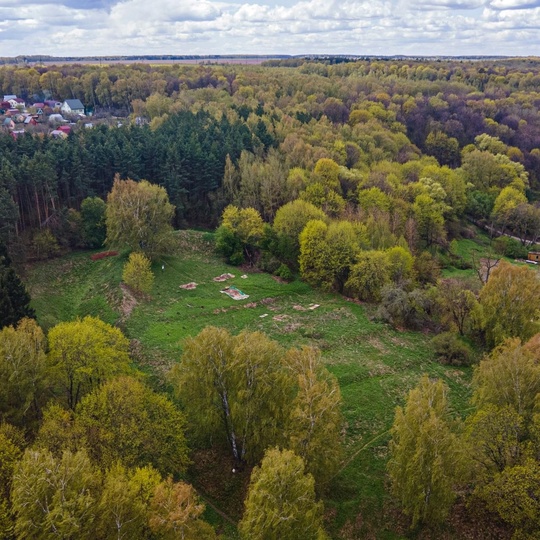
14	298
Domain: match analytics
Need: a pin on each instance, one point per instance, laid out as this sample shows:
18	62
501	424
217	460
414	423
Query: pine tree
14	298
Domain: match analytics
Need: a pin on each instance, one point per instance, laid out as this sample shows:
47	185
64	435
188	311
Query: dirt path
128	302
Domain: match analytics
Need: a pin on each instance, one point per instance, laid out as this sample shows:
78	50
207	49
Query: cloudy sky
380	27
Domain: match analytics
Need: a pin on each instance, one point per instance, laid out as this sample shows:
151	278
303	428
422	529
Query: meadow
375	364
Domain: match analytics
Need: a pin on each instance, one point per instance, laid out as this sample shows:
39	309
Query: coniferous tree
14	298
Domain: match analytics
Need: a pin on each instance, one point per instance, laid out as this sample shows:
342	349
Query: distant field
206	60
375	365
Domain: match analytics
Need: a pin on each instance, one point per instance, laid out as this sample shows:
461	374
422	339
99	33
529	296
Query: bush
284	272
451	350
229	245
138	273
510	247
269	263
45	245
405	309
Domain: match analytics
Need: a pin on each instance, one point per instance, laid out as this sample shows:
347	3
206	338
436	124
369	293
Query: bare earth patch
128	302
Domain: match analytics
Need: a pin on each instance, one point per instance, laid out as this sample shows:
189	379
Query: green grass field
376	365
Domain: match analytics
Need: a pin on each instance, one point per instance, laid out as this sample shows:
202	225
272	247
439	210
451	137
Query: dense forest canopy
362	115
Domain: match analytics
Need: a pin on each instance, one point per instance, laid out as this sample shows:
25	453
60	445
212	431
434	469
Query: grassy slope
375	365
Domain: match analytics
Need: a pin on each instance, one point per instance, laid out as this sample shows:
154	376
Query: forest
388	207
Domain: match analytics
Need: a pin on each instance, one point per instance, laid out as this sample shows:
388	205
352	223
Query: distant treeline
36	59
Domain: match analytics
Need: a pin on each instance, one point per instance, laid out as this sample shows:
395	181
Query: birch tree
237	386
425	458
316	423
281	503
138	216
83	354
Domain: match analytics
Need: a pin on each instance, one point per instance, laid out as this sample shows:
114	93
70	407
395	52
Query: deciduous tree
509	376
369	274
509	303
425	457
138	216
281	503
55	498
85	353
514	495
123	510
290	221
236	385
125	421
137	273
22	372
175	512
239	234
316	424
11	449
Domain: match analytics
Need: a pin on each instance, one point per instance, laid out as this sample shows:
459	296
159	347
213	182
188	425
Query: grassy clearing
376	366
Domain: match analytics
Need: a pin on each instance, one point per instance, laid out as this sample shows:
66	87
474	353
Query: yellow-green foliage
316	424
22	371
509	303
510	375
138	273
370	273
55	497
245	222
83	354
514	494
138	216
425	458
236	386
281	501
125	421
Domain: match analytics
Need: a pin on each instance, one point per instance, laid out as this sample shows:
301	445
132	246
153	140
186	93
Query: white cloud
416	27
514	4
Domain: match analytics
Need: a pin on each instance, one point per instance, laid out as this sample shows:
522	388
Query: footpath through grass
376	366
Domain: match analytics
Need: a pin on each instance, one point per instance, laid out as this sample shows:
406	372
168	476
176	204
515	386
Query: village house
52	104
30	121
55	119
15	102
73	106
38	107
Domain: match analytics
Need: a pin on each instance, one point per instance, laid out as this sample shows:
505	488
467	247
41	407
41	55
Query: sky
206	27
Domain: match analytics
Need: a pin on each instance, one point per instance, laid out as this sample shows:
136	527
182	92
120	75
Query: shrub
451	350
229	245
284	272
269	263
138	273
406	309
45	244
510	247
